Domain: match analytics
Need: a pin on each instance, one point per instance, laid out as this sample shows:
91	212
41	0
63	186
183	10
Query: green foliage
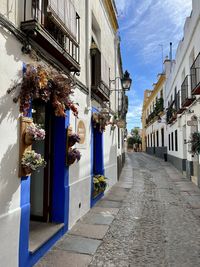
195	142
136	139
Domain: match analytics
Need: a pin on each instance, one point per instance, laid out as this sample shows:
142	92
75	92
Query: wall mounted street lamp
126	82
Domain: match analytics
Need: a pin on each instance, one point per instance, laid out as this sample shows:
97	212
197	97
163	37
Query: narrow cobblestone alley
157	224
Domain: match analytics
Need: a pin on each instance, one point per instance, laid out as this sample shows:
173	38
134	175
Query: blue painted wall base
97	159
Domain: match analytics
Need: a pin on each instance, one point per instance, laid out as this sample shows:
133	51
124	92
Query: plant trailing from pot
195	143
73	155
31	161
73	139
99	184
46	84
100	121
34	132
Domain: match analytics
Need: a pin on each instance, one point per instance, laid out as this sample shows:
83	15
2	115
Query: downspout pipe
87	51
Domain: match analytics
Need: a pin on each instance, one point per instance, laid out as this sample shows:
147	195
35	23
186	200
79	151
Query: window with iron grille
162	136
176	141
157	138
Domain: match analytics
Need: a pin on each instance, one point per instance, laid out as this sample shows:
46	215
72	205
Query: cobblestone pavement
150	218
158	223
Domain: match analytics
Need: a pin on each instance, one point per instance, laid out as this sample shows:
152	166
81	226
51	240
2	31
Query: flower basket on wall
99	185
73	155
73	139
31	161
195	143
33	132
100	120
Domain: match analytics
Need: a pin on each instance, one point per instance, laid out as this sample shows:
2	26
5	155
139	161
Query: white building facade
182	96
82	39
181	116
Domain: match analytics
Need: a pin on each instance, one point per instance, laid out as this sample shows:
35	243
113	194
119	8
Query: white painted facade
184	102
187	51
11	63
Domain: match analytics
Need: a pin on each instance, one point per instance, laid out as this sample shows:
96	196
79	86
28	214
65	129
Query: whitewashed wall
182	64
80	173
10	66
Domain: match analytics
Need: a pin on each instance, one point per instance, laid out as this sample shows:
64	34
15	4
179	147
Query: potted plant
99	184
73	155
31	161
73	139
195	143
33	132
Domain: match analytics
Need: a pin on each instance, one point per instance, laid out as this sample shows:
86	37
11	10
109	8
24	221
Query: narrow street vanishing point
151	217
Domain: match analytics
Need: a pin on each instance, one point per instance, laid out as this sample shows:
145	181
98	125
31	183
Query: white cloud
144	25
154	22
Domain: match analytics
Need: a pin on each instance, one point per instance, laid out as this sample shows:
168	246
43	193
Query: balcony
186	99
102	91
195	76
178	107
171	113
99	76
54	30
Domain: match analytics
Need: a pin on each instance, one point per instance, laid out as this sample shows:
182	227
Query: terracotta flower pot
71	161
27	171
71	143
28	139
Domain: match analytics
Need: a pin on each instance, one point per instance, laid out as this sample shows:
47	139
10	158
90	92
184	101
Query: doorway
98	165
41	181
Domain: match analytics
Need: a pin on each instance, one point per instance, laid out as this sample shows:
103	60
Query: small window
176	141
162	136
157	138
118	137
169	142
172	138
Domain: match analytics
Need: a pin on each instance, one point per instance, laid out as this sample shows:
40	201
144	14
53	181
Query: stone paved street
150	218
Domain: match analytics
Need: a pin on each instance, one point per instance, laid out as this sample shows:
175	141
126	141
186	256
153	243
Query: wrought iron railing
60	26
177	103
195	74
184	90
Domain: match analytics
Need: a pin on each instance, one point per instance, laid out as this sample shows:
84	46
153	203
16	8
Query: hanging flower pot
31	161
73	155
28	138
27	171
73	139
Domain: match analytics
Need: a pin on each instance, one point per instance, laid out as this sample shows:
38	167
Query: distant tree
130	142
136	137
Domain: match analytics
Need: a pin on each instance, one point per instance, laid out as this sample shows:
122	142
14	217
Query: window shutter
64	11
104	71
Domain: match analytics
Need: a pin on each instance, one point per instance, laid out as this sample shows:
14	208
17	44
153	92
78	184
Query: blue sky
145	27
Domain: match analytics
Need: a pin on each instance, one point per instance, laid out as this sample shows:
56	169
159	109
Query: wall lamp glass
126	82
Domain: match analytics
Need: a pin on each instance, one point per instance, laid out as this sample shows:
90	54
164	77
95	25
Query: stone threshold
40	233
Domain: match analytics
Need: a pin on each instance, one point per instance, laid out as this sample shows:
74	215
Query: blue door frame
60	197
97	160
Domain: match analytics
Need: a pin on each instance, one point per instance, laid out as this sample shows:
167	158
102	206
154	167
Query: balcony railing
102	91
171	113
178	107
195	76
55	28
186	98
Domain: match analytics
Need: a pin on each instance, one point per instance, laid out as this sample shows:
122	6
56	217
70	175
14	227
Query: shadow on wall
112	157
9	182
12	45
8	107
